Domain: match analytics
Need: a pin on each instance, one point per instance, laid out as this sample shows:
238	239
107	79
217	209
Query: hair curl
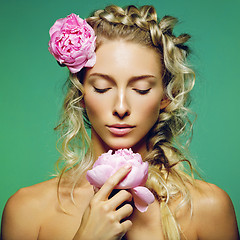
167	174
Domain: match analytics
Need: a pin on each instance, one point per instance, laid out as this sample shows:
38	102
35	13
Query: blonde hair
168	177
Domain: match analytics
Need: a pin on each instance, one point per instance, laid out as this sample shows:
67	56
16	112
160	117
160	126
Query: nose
121	107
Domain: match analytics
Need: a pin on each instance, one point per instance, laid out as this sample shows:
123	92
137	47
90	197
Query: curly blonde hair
166	144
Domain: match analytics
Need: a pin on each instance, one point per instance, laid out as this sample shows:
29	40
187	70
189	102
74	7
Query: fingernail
95	189
128	166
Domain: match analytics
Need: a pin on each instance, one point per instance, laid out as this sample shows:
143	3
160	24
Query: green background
31	87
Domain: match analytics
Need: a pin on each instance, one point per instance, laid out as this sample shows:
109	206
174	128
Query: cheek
91	105
153	113
94	106
150	109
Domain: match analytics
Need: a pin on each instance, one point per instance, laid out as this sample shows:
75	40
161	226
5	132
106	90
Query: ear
164	102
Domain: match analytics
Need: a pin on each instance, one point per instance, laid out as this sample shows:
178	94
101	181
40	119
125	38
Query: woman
133	90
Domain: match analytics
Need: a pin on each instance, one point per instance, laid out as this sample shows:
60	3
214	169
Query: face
123	95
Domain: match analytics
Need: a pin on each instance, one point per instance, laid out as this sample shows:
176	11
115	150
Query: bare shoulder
214	213
24	210
210	195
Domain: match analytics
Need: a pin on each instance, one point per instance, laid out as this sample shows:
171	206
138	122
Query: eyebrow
132	79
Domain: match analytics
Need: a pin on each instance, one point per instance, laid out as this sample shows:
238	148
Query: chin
120	146
135	146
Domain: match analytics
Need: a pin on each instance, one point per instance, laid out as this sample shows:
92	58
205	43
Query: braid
130	16
167	178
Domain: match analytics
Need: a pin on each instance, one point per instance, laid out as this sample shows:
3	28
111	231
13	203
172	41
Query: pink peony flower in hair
72	43
107	164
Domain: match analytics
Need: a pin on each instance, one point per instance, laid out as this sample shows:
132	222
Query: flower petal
98	175
142	197
57	26
91	61
72	43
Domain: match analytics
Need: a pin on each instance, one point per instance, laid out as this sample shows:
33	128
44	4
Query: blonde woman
129	81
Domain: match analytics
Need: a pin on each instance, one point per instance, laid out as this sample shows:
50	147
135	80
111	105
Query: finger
95	189
124	212
111	183
126	225
121	197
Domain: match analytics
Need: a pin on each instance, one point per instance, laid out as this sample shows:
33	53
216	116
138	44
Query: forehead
124	58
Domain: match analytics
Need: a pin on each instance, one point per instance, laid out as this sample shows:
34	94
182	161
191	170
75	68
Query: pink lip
120	129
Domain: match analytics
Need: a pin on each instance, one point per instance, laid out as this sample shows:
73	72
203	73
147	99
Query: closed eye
142	92
101	90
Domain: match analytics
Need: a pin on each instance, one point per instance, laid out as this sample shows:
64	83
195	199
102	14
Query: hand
105	219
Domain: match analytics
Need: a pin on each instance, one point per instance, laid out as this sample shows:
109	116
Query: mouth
120	129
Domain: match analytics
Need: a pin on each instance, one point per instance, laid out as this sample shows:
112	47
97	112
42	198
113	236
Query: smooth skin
34	212
93	221
123	87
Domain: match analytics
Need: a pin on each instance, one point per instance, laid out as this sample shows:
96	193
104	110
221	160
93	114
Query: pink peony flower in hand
107	164
72	43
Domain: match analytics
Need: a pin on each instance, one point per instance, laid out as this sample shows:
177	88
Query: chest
61	226
64	227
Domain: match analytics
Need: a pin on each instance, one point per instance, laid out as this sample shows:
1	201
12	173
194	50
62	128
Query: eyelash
103	90
142	92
